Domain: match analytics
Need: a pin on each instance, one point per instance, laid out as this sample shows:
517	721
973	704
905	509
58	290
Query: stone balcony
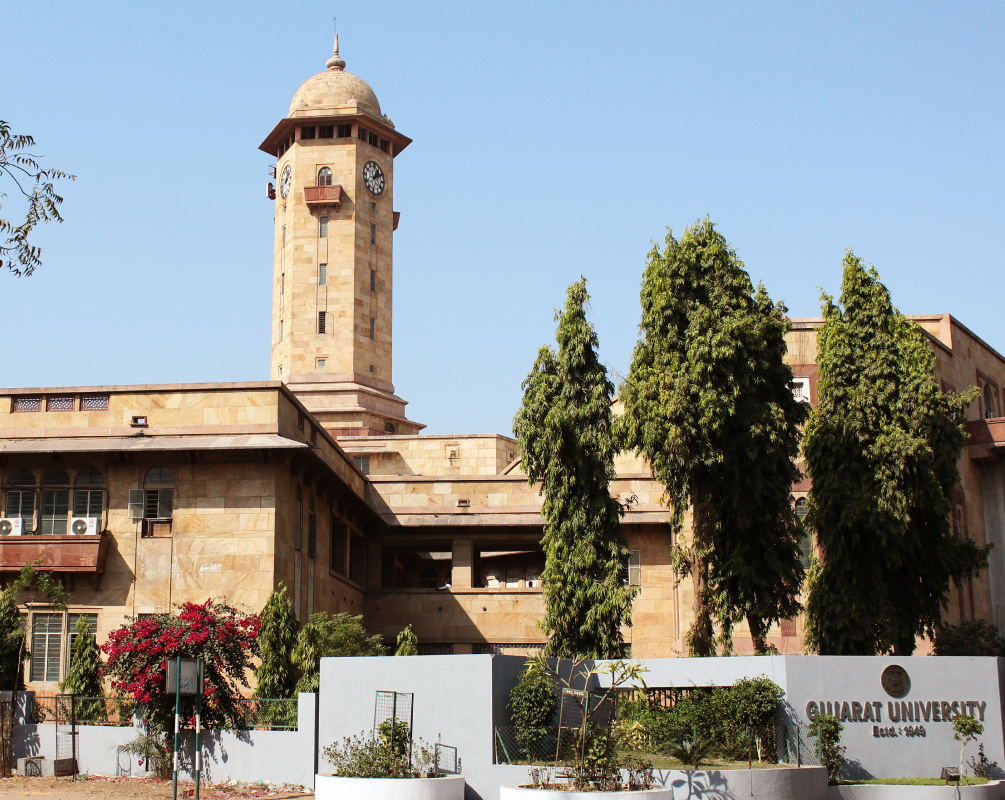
987	439
59	554
323	195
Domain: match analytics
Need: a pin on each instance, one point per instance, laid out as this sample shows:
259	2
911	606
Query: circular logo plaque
896	681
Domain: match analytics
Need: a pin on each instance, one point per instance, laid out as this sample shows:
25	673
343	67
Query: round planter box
524	793
335	787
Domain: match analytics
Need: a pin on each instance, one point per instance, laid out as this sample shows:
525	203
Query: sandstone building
143	497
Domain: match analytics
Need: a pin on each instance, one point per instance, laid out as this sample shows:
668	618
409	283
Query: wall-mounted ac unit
84	526
10	526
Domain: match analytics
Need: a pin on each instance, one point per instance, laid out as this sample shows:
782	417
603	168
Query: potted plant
385	765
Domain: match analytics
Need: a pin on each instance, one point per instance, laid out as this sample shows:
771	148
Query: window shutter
165	503
136	503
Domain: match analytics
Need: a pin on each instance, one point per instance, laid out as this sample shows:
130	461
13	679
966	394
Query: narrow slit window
373	280
322	274
323	230
321	321
373	233
373	328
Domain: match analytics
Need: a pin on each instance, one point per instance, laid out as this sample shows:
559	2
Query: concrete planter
335	787
525	793
992	790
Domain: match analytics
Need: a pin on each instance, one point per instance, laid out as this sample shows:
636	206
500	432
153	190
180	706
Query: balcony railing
70	554
323	195
987	438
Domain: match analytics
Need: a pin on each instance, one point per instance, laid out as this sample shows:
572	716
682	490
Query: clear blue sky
551	140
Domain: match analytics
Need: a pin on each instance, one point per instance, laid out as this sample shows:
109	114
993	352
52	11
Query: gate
6	735
66	735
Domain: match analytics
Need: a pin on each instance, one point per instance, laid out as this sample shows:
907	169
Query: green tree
83	678
564	426
328	637
13	640
966	729
755	702
708	403
276	675
532	704
407	643
21	168
968	638
826	729
881	447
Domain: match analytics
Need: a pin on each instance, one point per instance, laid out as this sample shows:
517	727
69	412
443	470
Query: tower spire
335	62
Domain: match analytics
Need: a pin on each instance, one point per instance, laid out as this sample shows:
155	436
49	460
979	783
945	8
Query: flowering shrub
225	638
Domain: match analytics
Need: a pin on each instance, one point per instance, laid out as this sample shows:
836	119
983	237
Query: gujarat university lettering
897	710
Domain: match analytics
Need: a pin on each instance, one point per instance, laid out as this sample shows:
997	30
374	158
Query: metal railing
268	714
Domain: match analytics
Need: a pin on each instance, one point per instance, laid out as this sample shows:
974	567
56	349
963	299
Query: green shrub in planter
364	756
532	705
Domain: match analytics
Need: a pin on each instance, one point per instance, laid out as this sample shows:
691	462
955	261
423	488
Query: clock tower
332	278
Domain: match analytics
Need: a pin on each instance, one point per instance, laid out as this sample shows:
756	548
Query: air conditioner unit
10	526
83	526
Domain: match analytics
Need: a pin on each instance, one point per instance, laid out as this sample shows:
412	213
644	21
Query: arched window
88	502
158	497
55	505
21	499
429	578
806	539
989	402
324	177
159	476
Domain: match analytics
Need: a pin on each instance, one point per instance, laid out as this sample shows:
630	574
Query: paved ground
95	788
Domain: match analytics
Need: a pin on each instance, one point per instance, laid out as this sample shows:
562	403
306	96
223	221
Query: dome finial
335	62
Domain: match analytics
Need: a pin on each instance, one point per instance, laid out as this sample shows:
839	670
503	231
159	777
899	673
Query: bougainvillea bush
138	652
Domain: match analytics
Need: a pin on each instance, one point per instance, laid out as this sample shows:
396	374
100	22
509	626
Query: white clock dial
286	181
373	177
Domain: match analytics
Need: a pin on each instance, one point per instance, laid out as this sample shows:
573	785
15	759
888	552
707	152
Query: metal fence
796	746
268	714
113	711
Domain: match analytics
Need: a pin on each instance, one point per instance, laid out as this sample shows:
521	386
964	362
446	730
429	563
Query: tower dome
334	89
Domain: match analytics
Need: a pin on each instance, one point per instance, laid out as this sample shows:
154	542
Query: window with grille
21	503
307	132
323	228
321	321
59	403
46	641
338	536
362	464
88	502
55	505
322	274
94	402
632	570
373	328
27	404
326	131
344	131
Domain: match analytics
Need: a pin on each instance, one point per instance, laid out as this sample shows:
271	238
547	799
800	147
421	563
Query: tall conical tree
882	447
84	675
276	676
708	404
564	426
13	648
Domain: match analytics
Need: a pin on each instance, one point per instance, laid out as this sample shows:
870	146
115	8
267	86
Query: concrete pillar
461	575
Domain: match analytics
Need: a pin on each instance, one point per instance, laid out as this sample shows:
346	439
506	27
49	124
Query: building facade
145	497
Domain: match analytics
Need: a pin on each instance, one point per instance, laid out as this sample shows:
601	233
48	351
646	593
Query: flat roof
115	444
147	387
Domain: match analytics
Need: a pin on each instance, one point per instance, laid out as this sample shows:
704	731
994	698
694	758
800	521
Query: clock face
286	181
373	177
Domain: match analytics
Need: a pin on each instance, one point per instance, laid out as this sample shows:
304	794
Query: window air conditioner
81	526
10	526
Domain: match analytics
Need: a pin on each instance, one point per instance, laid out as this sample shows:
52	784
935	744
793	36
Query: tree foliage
881	446
407	643
84	674
338	635
21	168
564	426
532	704
276	676
969	638
827	729
225	638
13	637
708	403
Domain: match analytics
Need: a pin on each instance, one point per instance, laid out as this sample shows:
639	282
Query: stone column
461	576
